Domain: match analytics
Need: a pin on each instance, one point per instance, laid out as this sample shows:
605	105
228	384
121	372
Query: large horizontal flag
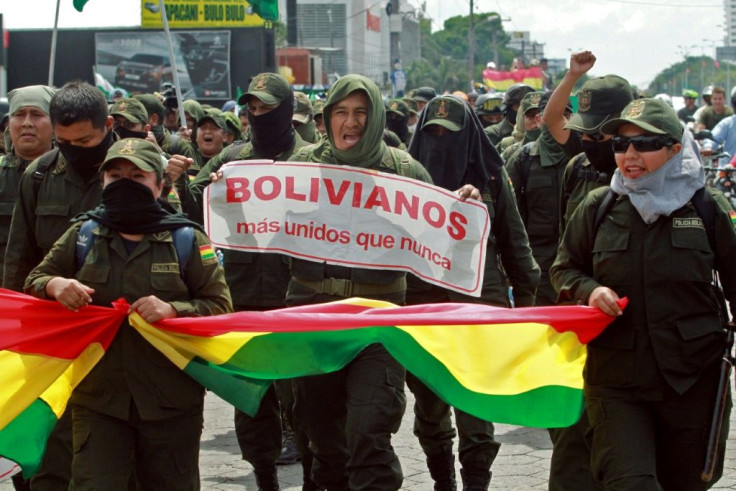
45	351
501	80
517	366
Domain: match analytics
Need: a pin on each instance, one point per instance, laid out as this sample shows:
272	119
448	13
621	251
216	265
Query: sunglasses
642	143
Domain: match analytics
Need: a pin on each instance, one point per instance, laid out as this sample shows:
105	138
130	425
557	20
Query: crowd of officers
128	165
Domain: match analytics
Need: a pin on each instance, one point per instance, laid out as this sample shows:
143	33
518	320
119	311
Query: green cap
599	100
318	107
424	94
152	104
447	111
232	122
651	115
131	109
530	101
215	117
399	107
271	88
38	96
302	108
142	153
413	107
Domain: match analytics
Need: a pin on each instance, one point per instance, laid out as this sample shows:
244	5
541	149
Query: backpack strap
603	208
525	165
402	162
183	239
234	150
45	162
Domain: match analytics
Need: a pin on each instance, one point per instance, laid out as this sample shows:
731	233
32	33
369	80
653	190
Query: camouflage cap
131	109
447	111
318	107
424	94
232	122
215	117
399	107
531	101
38	96
302	108
152	104
599	100
651	115
271	88
142	153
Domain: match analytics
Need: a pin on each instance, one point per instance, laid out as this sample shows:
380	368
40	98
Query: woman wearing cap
651	377
453	146
135	415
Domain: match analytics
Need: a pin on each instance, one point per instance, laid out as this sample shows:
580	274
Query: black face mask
272	133
86	159
601	155
511	115
130	207
399	127
124	132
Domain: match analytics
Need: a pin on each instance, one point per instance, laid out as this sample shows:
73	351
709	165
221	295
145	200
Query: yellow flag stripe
525	356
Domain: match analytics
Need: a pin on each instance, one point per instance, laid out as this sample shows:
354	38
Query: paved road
522	463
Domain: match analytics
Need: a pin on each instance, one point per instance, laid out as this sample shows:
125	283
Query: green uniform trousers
349	416
163	453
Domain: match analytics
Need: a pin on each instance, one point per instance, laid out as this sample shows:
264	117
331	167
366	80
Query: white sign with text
352	217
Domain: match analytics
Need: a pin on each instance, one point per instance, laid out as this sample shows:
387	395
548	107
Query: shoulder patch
207	254
732	215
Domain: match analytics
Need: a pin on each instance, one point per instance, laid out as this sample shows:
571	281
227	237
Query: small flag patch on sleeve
207	254
732	214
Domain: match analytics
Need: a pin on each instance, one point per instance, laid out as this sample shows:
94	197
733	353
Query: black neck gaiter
399	127
601	155
124	132
86	160
273	133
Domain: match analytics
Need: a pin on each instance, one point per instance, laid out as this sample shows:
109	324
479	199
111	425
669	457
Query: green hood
369	150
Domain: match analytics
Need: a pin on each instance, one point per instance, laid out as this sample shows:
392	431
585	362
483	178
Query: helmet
708	91
490	65
691	94
665	98
489	104
515	94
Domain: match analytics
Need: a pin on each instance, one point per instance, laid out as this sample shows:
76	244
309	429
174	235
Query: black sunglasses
642	143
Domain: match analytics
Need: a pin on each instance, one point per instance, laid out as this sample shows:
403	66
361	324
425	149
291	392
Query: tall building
353	36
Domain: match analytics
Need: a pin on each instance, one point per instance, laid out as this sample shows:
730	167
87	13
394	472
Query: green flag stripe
543	407
23	440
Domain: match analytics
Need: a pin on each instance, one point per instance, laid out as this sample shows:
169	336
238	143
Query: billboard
199	13
139	61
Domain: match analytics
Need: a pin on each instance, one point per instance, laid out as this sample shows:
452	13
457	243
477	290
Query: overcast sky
632	38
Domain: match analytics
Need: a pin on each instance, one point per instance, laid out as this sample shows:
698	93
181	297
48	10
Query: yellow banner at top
199	13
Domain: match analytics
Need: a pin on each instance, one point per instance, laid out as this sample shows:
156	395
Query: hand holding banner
351	217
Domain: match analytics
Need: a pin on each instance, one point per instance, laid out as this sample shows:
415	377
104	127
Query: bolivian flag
517	366
45	351
501	80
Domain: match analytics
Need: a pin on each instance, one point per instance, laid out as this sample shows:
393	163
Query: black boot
267	479
475	479
442	469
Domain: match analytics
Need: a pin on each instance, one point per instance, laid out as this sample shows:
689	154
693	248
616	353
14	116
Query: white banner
351	217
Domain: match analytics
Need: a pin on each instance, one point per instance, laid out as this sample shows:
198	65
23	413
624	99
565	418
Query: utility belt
348	288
